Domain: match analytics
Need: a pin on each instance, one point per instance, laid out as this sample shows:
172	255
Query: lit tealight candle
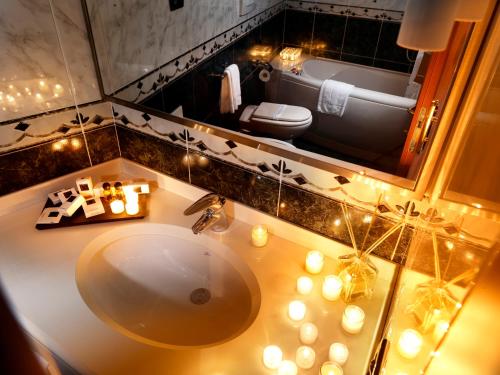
441	328
297	310
353	319
259	235
314	261
338	353
287	368
117	206
331	368
308	333
305	357
304	285
410	343
332	286
132	208
272	357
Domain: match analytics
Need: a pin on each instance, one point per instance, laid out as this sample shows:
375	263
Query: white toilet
280	121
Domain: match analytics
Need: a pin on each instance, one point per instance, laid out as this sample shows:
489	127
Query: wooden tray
79	218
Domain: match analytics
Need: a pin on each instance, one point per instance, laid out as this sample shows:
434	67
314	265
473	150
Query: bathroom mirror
379	103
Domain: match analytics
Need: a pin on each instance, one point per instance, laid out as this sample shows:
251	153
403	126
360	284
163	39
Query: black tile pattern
22	126
298	28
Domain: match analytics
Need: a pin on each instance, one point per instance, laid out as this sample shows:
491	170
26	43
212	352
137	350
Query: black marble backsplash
32	165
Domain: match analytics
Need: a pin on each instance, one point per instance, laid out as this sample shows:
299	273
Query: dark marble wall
198	90
363	41
28	166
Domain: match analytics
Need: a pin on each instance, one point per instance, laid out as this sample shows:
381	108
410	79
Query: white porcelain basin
161	285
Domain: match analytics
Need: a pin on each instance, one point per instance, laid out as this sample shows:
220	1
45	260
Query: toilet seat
279	121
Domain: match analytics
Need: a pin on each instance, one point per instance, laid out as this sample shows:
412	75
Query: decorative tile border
34	131
140	89
269	184
377	198
343	9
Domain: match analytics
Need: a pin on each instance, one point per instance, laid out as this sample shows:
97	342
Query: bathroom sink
161	285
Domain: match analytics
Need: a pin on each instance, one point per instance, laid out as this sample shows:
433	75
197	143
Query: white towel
230	93
333	97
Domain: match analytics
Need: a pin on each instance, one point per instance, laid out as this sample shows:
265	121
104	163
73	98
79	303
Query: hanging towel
333	97
230	93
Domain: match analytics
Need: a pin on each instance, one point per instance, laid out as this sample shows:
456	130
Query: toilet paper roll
264	75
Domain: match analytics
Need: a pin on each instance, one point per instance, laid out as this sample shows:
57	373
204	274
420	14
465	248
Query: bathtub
376	118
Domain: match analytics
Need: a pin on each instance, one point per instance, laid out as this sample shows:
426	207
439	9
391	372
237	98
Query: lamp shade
427	24
471	10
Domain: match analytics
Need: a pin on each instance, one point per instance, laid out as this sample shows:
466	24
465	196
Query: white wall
31	53
134	37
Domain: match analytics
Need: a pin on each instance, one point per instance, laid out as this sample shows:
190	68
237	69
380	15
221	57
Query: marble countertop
37	269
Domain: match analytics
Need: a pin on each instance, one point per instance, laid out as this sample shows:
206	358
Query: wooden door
435	88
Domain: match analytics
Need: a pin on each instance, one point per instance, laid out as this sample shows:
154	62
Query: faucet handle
208	200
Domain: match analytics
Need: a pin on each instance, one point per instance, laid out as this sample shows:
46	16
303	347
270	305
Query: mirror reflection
323	79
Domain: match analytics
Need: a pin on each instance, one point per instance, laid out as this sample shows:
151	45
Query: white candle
272	357
308	333
338	353
353	319
410	343
297	310
117	206
314	261
305	357
287	368
332	286
331	368
440	329
304	285
259	235
132	208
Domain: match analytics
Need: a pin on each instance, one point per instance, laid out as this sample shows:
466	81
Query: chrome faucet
213	215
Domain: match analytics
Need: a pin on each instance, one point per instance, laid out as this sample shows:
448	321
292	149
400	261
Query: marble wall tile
136	37
29	166
33	76
153	153
32	131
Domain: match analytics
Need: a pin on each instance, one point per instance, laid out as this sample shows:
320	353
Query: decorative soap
50	215
85	187
72	204
92	207
54	198
66	194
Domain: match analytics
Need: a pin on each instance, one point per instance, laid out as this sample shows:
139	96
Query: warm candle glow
304	285
297	310
331	368
132	208
117	206
305	357
410	343
353	319
272	357
314	261
259	235
332	286
287	368
308	333
338	353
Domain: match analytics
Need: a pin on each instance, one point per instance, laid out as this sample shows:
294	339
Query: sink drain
200	296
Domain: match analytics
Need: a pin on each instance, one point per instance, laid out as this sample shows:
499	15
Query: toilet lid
281	112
